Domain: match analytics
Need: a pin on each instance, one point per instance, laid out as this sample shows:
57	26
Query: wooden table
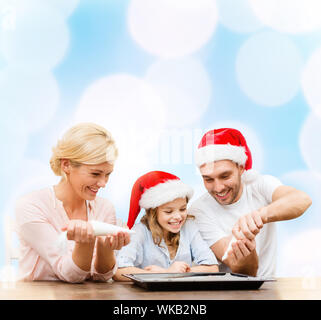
282	289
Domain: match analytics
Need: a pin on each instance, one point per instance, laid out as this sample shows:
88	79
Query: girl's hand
155	269
115	241
179	266
80	231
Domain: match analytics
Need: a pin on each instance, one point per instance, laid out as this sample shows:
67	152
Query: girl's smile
172	215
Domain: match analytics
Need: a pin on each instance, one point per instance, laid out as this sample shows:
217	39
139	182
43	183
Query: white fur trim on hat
165	192
216	152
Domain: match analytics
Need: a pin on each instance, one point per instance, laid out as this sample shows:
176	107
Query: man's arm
287	203
241	259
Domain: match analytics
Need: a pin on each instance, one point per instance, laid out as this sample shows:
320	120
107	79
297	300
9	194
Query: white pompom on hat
226	144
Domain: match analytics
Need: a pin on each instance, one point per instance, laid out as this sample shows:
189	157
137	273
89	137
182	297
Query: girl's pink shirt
40	216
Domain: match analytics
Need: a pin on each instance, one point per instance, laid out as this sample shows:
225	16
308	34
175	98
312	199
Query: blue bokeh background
101	45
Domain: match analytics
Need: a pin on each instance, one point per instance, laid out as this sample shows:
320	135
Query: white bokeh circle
238	16
289	16
309	141
14	140
311	78
171	29
184	87
268	69
33	96
37	37
198	188
65	8
119	187
31	175
129	108
309	182
251	138
300	255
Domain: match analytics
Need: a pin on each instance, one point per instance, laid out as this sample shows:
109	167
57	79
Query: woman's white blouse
142	251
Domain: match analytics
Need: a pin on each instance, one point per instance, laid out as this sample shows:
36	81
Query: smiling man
237	214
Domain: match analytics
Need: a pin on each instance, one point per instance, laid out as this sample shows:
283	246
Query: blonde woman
166	240
84	158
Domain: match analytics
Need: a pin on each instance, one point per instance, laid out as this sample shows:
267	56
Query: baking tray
197	281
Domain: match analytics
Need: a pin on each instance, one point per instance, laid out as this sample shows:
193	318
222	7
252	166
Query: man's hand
243	258
249	225
240	250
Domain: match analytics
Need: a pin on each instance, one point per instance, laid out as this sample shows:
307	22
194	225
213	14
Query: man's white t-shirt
216	221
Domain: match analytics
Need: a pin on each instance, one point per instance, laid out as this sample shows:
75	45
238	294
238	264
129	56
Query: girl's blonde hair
84	143
151	222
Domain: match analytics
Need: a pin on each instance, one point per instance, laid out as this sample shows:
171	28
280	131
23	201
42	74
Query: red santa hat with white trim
154	189
226	144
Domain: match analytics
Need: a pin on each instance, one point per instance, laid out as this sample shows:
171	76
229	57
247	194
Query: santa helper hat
226	144
154	189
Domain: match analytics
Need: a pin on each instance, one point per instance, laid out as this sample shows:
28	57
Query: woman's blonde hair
151	222
84	143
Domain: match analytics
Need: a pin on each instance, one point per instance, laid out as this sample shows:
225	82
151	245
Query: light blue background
101	44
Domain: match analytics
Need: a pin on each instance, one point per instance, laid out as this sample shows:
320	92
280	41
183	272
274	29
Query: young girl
166	239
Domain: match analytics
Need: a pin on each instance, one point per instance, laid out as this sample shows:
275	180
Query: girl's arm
202	255
131	255
119	277
204	268
128	270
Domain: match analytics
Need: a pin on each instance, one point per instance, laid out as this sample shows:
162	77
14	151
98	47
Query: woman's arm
82	255
105	257
105	263
43	239
83	234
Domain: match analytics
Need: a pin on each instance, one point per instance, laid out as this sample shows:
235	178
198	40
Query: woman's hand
105	257
155	269
115	241
80	231
179	266
83	234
